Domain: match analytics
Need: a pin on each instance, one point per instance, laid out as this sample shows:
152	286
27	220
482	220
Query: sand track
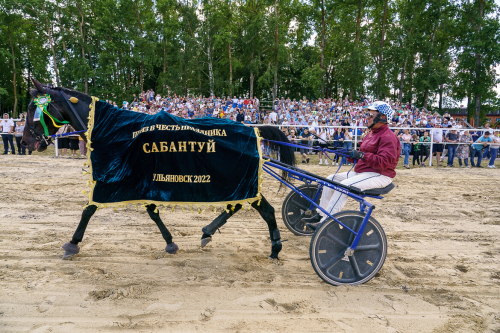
442	273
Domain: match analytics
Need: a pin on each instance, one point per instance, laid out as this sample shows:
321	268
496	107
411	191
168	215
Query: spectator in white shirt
273	116
7	137
437	146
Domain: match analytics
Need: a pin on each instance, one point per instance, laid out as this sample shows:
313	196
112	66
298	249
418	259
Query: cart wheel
296	207
330	242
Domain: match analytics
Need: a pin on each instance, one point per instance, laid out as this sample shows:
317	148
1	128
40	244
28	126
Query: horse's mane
71	92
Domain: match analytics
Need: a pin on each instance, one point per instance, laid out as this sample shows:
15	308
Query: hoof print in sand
46	304
207	314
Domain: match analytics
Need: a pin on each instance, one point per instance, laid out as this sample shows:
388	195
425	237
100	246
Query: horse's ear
38	86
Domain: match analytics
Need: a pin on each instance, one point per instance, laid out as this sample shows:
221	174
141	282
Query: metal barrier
431	131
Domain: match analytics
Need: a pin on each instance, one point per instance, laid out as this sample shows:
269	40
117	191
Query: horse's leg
219	221
267	212
167	236
71	248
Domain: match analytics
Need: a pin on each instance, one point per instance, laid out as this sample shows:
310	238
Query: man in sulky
377	159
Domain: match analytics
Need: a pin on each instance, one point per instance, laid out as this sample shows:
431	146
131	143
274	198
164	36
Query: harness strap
73	110
54	120
65	134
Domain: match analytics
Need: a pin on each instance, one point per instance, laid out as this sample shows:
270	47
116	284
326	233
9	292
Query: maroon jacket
382	149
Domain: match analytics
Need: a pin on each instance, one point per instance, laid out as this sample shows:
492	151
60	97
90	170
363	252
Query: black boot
313	219
314	226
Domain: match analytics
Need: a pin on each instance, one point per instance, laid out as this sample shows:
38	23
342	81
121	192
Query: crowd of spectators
339	123
335	122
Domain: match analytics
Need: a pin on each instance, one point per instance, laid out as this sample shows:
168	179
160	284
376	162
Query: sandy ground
442	273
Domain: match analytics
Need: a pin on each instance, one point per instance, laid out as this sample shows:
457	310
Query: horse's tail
282	153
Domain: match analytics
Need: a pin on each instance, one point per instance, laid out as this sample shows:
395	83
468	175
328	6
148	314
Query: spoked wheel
295	208
330	242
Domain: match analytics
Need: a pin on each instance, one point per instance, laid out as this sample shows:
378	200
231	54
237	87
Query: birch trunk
403	70
275	85
477	70
81	23
358	24
323	43
14	113
142	55
164	63
426	92
402	82
380	56
49	32
230	71
210	68
251	76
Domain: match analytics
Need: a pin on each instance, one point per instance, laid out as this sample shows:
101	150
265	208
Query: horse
71	106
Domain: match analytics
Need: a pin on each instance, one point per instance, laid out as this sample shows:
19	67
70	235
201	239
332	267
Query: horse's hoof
172	248
205	241
273	256
70	250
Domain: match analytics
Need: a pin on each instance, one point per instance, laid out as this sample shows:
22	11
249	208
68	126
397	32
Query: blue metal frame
365	206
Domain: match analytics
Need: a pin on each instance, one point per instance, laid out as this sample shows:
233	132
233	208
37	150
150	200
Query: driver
377	158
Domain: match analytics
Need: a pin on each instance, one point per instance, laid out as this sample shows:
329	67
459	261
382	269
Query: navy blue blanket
141	159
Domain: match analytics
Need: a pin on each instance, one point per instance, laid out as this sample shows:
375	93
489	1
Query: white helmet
383	108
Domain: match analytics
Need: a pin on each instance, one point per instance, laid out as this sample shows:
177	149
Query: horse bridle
39	135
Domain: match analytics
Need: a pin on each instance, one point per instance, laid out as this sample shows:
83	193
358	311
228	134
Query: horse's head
61	106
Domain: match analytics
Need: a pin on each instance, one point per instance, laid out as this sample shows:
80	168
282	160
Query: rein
65	134
340	152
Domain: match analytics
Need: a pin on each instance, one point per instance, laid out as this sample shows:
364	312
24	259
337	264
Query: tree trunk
275	85
164	63
210	70
440	97
51	41
140	37
469	113
477	71
142	73
403	71
410	81
380	56
164	56
121	74
14	114
230	71
323	43
426	92
81	23
64	59
251	76
322	34
358	24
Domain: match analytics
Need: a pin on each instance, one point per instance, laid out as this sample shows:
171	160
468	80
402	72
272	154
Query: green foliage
421	51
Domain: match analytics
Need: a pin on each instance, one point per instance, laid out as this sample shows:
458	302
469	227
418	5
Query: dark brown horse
73	106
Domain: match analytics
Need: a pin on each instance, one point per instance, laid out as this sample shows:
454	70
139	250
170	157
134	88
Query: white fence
356	138
362	128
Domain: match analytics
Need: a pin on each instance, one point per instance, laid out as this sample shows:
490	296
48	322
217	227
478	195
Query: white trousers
334	201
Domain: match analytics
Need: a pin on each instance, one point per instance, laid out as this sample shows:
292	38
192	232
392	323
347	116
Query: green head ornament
42	102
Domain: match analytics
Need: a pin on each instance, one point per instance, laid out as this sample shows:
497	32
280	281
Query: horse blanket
162	159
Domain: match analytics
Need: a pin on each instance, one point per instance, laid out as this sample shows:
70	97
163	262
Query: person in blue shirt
477	148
